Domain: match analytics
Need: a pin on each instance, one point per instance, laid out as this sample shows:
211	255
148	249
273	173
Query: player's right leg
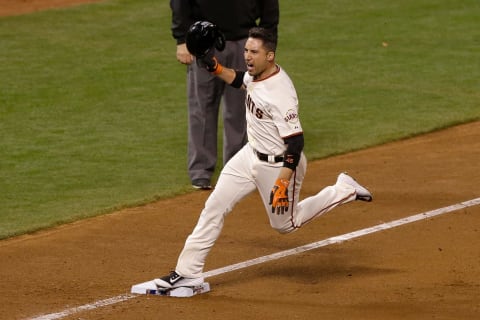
234	184
174	280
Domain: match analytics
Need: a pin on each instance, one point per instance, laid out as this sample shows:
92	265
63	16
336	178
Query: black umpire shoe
202	184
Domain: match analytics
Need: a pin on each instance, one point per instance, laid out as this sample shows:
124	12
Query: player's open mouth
249	66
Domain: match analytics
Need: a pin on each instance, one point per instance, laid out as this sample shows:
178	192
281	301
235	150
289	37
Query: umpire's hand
183	56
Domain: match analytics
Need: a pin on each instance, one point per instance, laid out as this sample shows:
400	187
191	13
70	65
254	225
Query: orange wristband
218	69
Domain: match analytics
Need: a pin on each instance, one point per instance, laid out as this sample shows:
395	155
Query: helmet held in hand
202	36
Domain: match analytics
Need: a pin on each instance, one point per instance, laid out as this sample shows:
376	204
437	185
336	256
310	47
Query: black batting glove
208	61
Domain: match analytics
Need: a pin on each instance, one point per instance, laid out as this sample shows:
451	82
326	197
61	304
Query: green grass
93	105
364	93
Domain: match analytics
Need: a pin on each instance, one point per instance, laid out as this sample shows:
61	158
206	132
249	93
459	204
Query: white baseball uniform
272	115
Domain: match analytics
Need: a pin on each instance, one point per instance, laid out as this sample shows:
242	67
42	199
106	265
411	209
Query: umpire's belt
270	158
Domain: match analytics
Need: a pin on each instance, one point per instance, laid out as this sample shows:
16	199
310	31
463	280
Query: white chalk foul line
85	307
278	255
343	237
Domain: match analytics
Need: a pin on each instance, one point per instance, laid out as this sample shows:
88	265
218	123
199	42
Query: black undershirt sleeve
294	150
238	81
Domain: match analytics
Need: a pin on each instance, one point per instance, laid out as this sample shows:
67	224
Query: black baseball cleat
362	193
174	280
203	184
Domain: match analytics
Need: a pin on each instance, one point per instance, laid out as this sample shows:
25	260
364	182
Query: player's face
258	60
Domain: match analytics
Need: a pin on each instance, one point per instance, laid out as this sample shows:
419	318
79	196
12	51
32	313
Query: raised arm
230	76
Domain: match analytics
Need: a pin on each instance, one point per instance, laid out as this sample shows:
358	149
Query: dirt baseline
425	270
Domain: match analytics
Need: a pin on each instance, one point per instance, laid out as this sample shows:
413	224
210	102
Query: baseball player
272	161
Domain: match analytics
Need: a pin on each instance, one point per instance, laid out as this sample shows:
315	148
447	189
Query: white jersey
272	112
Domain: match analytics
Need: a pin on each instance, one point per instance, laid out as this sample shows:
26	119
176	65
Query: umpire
204	91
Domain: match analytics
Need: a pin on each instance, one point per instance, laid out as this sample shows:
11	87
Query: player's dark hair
268	37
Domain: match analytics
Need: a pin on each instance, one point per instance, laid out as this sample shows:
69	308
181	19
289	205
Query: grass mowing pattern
93	105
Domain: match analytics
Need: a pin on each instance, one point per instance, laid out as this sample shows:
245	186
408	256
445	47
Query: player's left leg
265	179
343	191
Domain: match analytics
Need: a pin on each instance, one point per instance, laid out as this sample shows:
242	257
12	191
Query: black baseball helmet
203	36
